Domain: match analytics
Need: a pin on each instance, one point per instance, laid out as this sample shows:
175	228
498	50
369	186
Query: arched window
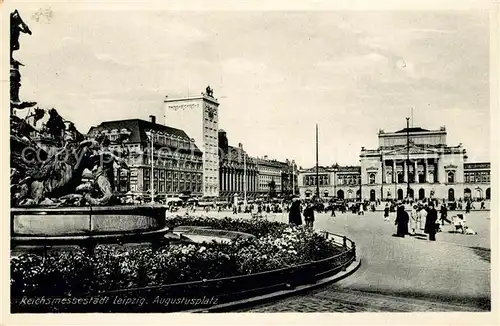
372	178
451	177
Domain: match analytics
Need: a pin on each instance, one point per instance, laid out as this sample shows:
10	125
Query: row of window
175	175
166	163
169	187
471	177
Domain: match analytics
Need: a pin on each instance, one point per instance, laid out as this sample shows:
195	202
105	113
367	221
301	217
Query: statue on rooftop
209	91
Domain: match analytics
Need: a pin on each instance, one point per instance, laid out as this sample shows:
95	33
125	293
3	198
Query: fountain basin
108	224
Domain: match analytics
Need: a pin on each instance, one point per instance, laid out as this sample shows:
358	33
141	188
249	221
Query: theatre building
177	162
418	163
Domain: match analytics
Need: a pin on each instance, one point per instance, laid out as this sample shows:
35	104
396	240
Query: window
372	178
451	177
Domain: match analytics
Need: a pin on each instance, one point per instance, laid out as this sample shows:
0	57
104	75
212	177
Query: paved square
401	274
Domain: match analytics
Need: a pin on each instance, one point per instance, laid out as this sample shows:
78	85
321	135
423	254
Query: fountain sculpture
51	203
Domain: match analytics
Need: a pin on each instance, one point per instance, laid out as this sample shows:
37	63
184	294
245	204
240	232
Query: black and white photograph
250	161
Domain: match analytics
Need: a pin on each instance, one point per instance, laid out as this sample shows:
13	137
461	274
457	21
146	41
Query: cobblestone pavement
401	274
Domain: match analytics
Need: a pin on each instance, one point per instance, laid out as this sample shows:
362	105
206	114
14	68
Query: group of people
424	217
419	214
295	214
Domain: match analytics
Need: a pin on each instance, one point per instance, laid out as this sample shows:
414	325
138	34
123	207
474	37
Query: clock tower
198	116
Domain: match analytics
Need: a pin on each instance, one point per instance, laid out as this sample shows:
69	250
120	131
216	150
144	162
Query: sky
276	74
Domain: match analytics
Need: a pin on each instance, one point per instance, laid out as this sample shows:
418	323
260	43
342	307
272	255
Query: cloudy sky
276	74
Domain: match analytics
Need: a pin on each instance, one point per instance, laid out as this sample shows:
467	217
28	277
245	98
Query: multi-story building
477	180
177	162
235	166
198	116
273	176
412	162
342	182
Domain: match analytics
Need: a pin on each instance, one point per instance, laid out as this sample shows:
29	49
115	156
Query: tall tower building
198	117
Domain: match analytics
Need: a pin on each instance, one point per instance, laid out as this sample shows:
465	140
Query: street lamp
149	134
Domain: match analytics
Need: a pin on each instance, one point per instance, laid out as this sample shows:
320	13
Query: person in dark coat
309	215
402	220
444	214
294	216
386	212
430	223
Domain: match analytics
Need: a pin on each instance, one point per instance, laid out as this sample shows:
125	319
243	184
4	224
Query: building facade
477	180
412	162
199	117
177	162
275	177
237	171
342	182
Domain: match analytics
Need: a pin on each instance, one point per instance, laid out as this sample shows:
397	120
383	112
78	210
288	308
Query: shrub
110	267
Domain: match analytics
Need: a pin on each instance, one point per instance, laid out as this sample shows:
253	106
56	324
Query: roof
138	128
413	129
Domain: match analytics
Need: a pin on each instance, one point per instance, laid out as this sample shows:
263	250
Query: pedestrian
361	209
401	222
414	219
333	210
444	214
309	215
386	212
430	223
467	207
294	216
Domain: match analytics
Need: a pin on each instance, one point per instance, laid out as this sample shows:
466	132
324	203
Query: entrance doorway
451	194
410	193
467	193
372	195
421	194
400	194
488	193
340	194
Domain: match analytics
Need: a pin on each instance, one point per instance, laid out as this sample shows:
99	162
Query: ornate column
384	172
405	167
415	172
394	172
426	171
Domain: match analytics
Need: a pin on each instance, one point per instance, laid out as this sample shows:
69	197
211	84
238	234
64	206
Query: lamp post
293	178
150	136
317	171
408	158
244	177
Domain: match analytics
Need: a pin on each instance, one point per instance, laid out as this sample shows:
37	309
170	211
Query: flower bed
75	272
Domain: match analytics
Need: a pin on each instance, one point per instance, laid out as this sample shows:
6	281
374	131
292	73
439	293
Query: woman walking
294	216
401	222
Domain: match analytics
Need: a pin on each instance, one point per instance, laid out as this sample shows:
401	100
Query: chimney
240	145
152	118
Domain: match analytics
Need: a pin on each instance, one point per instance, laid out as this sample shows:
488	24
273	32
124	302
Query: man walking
430	223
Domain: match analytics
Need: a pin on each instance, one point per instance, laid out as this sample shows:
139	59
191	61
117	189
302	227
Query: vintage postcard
227	161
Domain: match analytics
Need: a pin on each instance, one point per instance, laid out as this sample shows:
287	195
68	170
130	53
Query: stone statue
209	91
17	26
